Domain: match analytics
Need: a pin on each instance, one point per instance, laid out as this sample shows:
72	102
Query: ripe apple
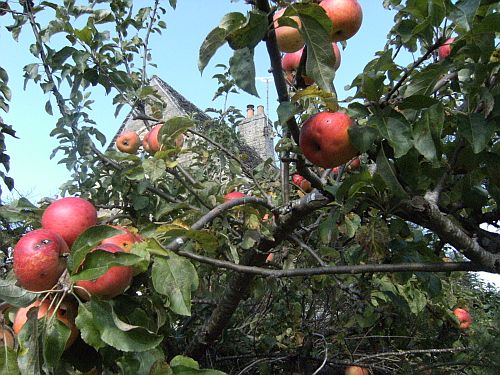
7	338
233	195
69	217
145	143
128	142
290	63
289	38
66	313
38	259
354	164
270	258
346	17
297	179
306	186
463	317
124	240
324	139
154	144
109	285
445	50
356	370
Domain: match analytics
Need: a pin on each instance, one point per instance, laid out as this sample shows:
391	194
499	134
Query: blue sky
176	53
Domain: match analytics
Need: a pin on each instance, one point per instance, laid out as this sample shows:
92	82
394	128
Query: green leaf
427	132
316	28
372	85
423	82
86	242
396	130
28	358
100	325
417	102
217	37
175	277
98	262
462	14
489	24
181	365
154	169
172	128
286	110
386	171
251	33
476	130
8	361
16	296
141	363
242	69
181	360
62	55
55	336
362	136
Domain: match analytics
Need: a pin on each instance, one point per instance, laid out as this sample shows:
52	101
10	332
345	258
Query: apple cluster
39	261
129	141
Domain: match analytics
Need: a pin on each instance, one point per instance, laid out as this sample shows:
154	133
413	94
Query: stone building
255	130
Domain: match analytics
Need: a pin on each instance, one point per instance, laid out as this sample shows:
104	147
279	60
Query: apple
145	143
38	259
346	17
153	142
445	49
324	139
270	258
291	61
356	370
234	195
66	313
7	338
297	179
354	164
306	186
124	240
463	317
69	217
109	285
289	38
128	142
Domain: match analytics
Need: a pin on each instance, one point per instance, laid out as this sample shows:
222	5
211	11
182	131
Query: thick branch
239	284
424	213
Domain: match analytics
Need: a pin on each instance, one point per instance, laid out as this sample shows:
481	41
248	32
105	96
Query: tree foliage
361	273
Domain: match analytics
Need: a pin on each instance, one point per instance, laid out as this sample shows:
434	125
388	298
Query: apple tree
367	265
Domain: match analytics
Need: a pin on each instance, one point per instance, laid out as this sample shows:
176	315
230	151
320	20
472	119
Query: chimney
250	110
260	110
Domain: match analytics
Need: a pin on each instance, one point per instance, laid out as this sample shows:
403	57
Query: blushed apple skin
288	38
234	195
124	240
154	144
6	338
128	142
324	139
297	179
114	282
145	143
66	313
356	370
38	259
69	217
346	16
445	50
463	317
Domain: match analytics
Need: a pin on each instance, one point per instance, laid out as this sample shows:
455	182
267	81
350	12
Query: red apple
124	240
290	63
306	186
128	142
38	259
324	139
66	313
346	17
154	143
354	164
270	258
114	282
463	317
297	179
445	50
289	38
356	370
234	195
69	217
